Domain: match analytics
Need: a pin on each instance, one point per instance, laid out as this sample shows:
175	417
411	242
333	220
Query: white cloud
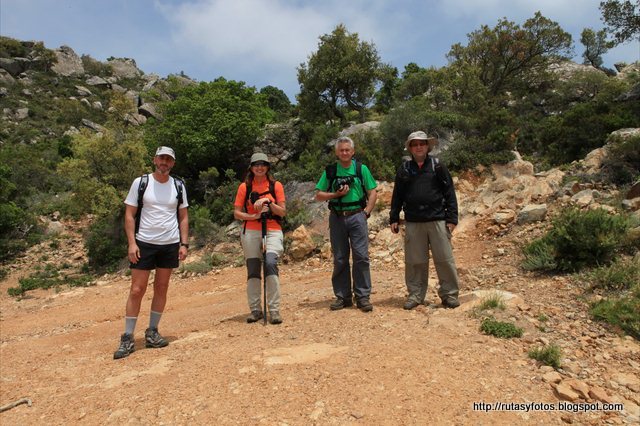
260	31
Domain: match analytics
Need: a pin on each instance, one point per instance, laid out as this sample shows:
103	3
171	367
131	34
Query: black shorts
154	256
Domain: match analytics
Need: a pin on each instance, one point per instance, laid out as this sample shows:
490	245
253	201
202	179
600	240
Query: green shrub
45	278
622	312
106	242
297	214
220	201
206	264
504	330
576	240
203	229
620	275
548	355
622	165
586	238
539	256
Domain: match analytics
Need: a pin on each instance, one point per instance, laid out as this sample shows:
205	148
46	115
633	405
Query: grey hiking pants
419	237
350	234
252	246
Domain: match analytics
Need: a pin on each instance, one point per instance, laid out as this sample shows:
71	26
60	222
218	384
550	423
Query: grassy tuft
548	355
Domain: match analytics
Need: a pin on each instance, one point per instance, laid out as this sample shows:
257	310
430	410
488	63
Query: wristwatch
367	214
184	245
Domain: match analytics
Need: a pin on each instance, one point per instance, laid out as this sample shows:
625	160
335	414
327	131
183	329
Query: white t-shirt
159	219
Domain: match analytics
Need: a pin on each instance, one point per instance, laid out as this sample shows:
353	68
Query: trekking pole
263	218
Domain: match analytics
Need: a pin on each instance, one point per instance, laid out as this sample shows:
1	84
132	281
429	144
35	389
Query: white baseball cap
165	150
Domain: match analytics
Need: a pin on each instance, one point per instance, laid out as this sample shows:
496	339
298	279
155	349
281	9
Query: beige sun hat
421	136
165	150
259	156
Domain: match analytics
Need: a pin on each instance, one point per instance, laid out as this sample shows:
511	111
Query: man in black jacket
424	190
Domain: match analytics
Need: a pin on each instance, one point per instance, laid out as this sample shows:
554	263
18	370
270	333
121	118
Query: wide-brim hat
165	150
259	156
421	136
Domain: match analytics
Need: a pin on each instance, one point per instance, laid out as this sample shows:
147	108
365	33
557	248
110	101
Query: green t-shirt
355	191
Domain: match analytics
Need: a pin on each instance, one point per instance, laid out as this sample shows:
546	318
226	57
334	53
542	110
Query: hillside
426	366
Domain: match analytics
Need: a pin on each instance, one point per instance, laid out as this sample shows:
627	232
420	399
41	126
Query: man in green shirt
351	191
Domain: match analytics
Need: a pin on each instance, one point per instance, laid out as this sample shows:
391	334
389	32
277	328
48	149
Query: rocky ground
390	366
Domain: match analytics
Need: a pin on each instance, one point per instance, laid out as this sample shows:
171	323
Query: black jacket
425	194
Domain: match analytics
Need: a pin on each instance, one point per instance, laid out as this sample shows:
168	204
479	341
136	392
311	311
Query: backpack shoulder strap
272	190
363	200
179	184
142	187
331	172
438	171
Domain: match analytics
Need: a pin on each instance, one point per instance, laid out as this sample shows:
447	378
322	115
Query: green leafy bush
204	231
219	202
576	240
622	312
45	278
297	215
622	165
106	242
620	275
504	330
539	256
548	355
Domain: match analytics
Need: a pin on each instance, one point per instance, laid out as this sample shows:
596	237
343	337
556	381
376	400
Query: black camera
341	181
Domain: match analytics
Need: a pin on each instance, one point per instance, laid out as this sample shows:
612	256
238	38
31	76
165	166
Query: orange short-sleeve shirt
260	187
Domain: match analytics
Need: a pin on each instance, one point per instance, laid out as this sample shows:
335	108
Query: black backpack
407	174
331	172
142	187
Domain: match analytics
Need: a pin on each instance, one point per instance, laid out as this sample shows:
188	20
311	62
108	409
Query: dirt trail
390	366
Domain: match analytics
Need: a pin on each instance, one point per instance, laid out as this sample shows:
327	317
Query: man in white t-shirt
158	237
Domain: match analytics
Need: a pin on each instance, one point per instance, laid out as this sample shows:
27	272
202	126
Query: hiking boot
450	303
341	303
410	304
126	346
153	339
365	305
275	318
254	316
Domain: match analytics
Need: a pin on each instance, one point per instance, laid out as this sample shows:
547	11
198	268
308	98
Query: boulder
301	243
149	110
634	191
513	168
93	126
583	198
532	213
135	119
97	81
565	392
83	91
593	161
5	77
13	66
504	217
124	68
68	62
22	113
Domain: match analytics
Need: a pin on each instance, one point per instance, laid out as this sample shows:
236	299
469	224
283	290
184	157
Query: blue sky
262	42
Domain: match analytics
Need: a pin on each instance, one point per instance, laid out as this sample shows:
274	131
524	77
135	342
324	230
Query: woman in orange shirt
261	194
